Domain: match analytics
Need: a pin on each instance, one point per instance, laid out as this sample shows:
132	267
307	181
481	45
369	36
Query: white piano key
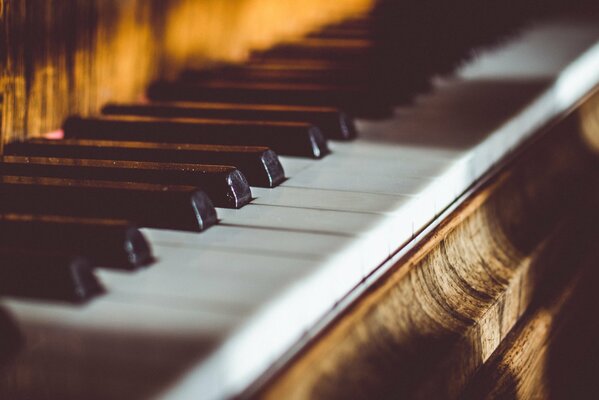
342	181
372	227
422	167
126	340
327	199
299	219
122	314
253	241
363	147
186	277
293	165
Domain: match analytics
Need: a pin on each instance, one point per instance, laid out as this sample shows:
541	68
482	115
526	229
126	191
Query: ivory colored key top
159	206
42	275
226	186
260	165
105	242
333	123
289	138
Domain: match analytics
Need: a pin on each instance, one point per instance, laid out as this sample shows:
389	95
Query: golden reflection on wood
226	30
589	121
71	56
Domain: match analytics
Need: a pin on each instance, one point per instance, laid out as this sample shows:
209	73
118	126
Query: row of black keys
201	142
159	164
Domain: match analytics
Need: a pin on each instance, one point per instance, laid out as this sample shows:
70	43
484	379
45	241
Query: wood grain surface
552	352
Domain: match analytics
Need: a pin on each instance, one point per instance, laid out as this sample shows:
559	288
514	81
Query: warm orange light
201	32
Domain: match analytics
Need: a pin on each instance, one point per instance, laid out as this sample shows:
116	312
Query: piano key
130	316
226	186
256	238
333	123
43	275
249	240
320	49
220	275
315	67
415	164
269	72
354	100
339	32
260	165
376	234
375	231
194	277
292	165
247	237
110	243
393	148
403	212
118	333
327	199
176	207
289	138
371	183
306	64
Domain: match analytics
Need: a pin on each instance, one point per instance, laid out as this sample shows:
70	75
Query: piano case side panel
443	310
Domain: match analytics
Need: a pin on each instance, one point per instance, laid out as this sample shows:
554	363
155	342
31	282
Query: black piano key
288	138
157	206
307	64
320	49
357	101
333	123
265	73
357	74
226	186
105	242
260	165
47	276
339	32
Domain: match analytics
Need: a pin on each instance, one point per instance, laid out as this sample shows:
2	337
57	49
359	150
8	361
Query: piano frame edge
422	327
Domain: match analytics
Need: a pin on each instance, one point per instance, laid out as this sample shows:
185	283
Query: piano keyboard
218	310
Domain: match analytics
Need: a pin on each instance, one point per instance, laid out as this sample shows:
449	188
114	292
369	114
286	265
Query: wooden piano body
494	298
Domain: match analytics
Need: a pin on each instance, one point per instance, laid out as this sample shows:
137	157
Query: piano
307	200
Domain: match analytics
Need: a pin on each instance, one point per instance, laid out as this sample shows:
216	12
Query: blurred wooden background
70	56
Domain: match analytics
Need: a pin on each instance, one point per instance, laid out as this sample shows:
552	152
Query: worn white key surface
220	307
